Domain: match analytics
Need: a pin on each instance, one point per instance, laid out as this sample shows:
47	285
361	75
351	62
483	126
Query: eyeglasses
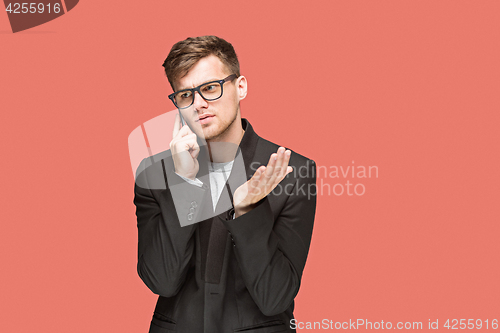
209	91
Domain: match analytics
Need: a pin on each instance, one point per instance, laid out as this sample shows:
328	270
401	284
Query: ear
241	86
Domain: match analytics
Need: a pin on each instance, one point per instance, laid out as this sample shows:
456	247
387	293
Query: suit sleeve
165	247
272	253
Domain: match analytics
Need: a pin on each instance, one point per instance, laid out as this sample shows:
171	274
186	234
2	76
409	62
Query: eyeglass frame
197	89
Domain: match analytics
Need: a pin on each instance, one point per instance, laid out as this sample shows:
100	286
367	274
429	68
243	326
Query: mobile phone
182	118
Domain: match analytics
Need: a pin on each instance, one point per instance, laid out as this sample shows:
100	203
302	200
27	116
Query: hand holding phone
185	149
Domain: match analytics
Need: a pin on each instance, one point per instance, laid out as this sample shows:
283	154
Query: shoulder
151	171
265	148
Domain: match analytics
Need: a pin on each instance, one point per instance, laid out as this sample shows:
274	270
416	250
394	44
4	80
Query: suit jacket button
190	216
194	204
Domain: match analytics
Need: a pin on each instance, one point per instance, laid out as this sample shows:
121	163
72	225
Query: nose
199	102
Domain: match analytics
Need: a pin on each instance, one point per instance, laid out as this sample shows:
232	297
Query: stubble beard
223	128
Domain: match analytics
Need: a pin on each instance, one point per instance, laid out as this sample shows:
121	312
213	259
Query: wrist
190	177
241	210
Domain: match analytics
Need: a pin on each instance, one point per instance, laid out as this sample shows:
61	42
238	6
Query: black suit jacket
222	274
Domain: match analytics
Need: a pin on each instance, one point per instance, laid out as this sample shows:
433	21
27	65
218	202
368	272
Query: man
224	254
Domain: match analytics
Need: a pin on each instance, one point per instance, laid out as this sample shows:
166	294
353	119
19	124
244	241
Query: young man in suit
224	240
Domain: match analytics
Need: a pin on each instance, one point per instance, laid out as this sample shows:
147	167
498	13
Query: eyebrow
209	80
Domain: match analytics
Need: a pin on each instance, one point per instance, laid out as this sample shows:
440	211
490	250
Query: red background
409	86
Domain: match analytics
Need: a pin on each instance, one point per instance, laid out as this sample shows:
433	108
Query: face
213	120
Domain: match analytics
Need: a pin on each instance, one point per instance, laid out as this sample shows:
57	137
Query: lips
205	117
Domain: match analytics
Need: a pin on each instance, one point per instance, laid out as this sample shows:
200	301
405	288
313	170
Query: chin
215	130
212	132
210	135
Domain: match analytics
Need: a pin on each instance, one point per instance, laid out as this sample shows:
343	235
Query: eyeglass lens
209	91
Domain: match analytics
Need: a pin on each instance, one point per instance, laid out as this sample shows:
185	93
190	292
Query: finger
280	160
278	169
195	149
265	180
184	131
177	125
185	143
256	176
179	130
188	141
255	182
271	165
188	129
284	165
280	178
286	169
